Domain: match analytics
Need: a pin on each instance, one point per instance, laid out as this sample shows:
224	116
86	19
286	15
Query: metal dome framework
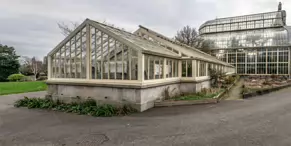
257	44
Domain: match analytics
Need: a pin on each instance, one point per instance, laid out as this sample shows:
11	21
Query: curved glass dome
249	38
257	44
246	22
257	30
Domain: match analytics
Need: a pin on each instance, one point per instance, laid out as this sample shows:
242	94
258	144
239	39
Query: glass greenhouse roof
174	46
158	47
142	43
136	42
253	21
248	31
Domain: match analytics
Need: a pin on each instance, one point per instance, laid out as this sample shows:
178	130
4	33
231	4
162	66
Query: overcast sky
31	25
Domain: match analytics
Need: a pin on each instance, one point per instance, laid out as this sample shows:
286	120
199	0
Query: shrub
203	94
88	107
16	77
41	78
273	76
229	80
215	76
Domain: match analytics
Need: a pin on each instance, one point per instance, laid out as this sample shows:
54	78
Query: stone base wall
140	98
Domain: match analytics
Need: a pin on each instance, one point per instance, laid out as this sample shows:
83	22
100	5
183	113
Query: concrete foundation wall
201	85
141	98
110	94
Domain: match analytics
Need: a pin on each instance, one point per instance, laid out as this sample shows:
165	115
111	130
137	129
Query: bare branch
66	29
32	65
187	35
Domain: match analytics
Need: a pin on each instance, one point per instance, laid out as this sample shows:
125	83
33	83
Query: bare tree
187	35
66	28
204	45
32	65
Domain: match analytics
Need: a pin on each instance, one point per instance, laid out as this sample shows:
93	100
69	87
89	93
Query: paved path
7	101
259	121
235	91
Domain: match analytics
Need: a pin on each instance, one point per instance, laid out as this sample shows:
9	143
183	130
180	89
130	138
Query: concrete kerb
264	91
185	102
213	100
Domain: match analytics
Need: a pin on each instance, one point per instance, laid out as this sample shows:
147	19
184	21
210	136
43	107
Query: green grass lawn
21	87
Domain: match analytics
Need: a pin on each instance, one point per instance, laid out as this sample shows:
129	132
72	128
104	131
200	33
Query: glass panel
184	68
146	67
62	62
251	69
241	68
283	56
78	58
119	62
202	68
161	67
158	68
152	68
134	64
241	58
175	68
261	55
272	68
83	54
189	68
70	60
169	68
104	58
283	68
272	55
232	58
110	59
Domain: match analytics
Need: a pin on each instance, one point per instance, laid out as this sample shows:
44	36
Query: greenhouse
257	44
114	66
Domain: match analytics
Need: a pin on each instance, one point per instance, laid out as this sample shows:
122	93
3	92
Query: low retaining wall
141	98
264	91
186	102
213	100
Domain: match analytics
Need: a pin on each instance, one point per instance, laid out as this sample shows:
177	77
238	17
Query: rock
257	87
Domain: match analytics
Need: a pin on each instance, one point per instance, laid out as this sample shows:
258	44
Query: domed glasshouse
111	65
257	44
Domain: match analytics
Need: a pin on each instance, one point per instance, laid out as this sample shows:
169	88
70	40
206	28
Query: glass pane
134	64
189	68
184	68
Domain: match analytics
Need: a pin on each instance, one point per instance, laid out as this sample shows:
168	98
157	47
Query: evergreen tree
9	63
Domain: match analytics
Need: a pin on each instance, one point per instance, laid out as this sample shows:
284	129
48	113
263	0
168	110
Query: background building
255	44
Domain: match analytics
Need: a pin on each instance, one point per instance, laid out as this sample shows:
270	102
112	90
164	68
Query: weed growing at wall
88	107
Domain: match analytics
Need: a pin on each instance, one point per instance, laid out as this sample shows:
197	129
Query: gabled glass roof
134	41
174	46
142	43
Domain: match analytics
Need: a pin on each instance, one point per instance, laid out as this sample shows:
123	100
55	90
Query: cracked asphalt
259	121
